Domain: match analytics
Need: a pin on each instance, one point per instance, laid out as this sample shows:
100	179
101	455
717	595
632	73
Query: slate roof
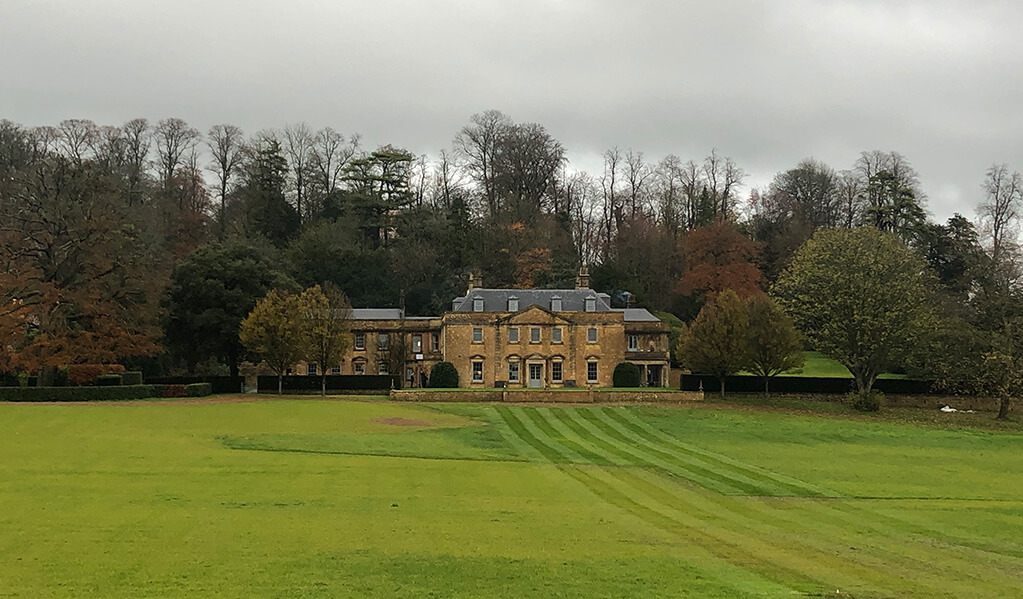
639	315
496	300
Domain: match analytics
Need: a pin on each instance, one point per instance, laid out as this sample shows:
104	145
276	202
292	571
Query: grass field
303	498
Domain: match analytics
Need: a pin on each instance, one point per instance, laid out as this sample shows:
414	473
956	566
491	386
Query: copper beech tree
718	257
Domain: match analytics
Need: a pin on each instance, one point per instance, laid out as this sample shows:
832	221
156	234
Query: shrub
871	402
198	389
86	374
107	380
9	379
626	374
443	375
61	377
131	377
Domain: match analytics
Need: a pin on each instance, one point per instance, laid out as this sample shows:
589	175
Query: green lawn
816	364
306	498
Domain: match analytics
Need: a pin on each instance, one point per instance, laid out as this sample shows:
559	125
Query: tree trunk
280	383
323	383
1003	408
722	381
767	391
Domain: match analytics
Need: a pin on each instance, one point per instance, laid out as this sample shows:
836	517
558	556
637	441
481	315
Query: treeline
149	242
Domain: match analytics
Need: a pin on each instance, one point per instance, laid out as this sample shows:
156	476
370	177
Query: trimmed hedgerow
118	393
131	377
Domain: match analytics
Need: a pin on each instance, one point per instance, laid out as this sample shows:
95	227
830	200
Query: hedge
118	393
800	384
335	382
220	384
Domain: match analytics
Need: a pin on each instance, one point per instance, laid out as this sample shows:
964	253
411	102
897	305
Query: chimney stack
583	280
475	282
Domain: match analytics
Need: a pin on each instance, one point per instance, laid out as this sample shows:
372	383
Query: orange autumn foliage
718	257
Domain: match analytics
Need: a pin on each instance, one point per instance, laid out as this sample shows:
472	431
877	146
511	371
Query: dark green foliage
60	377
443	375
211	291
870	402
626	374
9	379
108	380
131	377
119	393
267	211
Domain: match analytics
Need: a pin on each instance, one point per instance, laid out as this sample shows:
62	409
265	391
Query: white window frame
435	342
360	342
633	342
335	370
477	371
477	334
514	371
359	368
557	371
477	304
417	344
383	367
383	341
513	304
591	335
534	335
311	369
556	304
513	335
591	304
556	335
592	364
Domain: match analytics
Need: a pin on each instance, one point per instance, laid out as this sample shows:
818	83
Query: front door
536	375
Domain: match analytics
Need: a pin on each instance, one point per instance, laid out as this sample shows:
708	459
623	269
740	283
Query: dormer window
477	304
513	304
591	304
555	304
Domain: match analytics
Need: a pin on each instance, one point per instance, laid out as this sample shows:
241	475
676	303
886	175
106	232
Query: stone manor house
512	338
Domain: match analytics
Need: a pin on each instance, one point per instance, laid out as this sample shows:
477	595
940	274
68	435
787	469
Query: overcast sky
767	83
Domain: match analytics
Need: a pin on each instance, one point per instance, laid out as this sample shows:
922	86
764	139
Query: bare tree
478	144
137	140
850	193
668	183
448	181
330	155
174	140
611	206
637	173
723	178
999	212
78	138
225	143
299	144
808	192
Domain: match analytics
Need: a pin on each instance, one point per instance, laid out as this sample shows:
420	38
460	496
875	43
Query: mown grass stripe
742	579
738	484
640	426
566	432
568	446
614	446
830	548
746	514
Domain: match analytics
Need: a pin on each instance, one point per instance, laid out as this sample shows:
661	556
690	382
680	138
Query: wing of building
513	338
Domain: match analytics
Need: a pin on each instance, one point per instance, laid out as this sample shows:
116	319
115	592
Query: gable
533	315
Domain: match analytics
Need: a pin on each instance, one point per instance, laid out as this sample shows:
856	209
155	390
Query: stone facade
512	338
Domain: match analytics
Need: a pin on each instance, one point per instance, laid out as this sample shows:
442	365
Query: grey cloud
767	83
